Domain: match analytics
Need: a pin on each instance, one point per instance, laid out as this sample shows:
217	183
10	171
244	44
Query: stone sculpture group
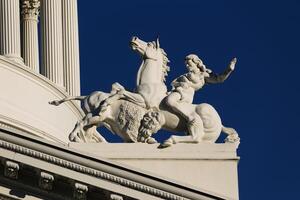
137	116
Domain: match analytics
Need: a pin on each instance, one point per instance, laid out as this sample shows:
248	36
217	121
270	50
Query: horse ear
157	43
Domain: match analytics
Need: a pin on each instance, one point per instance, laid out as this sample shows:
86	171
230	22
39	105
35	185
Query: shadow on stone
17	193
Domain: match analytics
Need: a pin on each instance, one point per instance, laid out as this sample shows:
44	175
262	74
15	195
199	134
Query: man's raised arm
220	78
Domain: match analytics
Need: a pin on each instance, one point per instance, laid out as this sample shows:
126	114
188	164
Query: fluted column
71	47
30	47
10	44
51	29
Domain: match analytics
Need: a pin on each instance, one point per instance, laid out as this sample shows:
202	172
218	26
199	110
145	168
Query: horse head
148	50
153	55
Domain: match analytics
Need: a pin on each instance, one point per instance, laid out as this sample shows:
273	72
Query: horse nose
134	38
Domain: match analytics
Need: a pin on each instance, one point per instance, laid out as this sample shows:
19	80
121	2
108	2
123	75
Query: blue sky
260	99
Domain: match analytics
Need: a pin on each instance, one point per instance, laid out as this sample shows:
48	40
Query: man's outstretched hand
232	64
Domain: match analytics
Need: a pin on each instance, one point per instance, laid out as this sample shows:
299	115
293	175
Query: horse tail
78	98
233	136
58	102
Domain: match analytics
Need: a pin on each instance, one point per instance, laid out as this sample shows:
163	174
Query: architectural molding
86	170
13	124
134	180
205	151
201	162
4	197
115	197
80	191
46	181
11	169
30	9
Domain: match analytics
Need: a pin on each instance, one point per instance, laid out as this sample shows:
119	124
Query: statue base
204	167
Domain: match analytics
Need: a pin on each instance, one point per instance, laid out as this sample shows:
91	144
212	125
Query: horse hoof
76	139
165	145
233	138
150	140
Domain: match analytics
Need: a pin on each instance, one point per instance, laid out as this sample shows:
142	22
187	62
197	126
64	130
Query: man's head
193	62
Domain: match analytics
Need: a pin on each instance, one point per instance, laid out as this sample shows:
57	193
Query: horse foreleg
92	121
77	134
73	136
93	135
90	124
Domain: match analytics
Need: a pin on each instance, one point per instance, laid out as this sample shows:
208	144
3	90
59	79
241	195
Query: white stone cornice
86	170
94	171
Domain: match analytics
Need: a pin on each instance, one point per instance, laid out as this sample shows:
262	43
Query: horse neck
150	72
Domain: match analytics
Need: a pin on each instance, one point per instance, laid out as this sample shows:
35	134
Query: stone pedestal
205	167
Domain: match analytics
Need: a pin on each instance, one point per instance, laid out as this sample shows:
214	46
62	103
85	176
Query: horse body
123	118
212	124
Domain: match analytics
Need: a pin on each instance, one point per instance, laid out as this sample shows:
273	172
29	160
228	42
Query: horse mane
165	66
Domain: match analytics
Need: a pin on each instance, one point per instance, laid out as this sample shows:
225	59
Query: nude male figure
184	88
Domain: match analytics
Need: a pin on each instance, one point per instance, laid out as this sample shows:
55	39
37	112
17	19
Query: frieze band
88	171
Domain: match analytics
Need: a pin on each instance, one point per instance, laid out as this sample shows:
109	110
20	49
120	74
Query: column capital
30	9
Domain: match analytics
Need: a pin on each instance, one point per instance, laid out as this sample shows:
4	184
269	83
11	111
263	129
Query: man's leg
135	98
174	102
194	121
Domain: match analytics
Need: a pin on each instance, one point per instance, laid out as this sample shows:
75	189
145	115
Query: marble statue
137	116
